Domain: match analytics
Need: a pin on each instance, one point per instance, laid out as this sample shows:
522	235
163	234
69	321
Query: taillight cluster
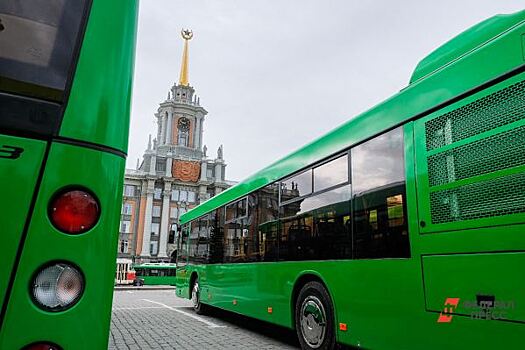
58	285
74	211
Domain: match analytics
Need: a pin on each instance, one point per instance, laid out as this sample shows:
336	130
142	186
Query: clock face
184	124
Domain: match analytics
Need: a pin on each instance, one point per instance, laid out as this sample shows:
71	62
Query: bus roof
460	74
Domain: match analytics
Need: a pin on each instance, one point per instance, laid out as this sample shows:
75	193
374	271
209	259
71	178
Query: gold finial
183	79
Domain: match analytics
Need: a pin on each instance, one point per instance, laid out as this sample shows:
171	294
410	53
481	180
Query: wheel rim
195	295
313	321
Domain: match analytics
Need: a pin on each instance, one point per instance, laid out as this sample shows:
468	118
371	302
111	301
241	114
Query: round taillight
57	287
74	211
42	346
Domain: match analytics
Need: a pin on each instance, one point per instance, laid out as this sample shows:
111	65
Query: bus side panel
94	252
99	102
20	162
381	301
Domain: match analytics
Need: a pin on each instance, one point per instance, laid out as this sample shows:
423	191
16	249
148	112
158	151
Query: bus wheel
314	317
198	307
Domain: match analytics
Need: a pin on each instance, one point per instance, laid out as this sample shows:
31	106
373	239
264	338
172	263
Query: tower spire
183	79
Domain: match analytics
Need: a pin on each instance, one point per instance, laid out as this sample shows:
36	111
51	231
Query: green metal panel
159	280
85	325
473	37
474	275
466	73
99	103
381	301
18	177
471	160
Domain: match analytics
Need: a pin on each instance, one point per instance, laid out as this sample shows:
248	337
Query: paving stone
140	324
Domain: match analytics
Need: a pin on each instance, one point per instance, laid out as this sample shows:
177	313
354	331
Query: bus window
378	180
317	227
216	234
330	174
268	221
182	258
297	186
38	40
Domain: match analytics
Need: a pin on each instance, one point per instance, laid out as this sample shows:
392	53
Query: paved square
159	320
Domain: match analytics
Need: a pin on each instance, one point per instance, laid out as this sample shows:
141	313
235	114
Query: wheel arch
193	277
302	279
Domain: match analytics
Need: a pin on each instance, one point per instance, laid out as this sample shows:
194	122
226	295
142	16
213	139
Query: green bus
66	71
403	228
155	274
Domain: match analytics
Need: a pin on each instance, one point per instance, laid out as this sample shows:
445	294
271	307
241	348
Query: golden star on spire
183	79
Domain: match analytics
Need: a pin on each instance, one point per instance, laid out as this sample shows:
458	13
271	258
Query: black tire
198	307
314	317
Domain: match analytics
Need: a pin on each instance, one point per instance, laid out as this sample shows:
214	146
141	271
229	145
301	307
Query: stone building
175	174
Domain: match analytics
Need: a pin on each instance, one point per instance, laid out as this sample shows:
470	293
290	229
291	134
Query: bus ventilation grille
500	108
500	196
476	158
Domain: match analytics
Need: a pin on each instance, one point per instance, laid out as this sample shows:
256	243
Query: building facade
175	175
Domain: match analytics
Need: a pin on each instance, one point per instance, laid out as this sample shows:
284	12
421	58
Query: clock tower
175	174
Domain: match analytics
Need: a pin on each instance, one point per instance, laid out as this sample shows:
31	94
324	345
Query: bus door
36	55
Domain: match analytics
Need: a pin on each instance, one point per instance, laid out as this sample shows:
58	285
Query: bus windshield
37	42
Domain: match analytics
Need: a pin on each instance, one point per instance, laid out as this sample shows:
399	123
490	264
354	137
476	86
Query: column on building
201	122
169	163
164	221
146	234
218	170
169	128
152	164
164	117
197	134
204	167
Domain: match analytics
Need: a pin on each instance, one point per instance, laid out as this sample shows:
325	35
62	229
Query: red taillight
74	211
42	346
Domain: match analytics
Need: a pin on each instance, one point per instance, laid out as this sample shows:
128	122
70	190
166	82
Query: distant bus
403	228
155	274
66	69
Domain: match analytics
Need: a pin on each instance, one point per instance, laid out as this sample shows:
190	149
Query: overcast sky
274	75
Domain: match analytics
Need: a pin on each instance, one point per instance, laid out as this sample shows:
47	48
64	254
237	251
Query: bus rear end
65	86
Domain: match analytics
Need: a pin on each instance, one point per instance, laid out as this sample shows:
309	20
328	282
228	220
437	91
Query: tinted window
198	240
240	233
236	210
182	251
317	227
232	241
296	186
379	197
37	41
332	173
268	221
216	253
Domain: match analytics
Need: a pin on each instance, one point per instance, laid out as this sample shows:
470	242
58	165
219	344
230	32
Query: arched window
183	132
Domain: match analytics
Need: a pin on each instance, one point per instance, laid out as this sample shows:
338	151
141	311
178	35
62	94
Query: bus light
57	287
42	346
74	211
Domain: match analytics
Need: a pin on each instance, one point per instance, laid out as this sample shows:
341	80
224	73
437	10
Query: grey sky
275	75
